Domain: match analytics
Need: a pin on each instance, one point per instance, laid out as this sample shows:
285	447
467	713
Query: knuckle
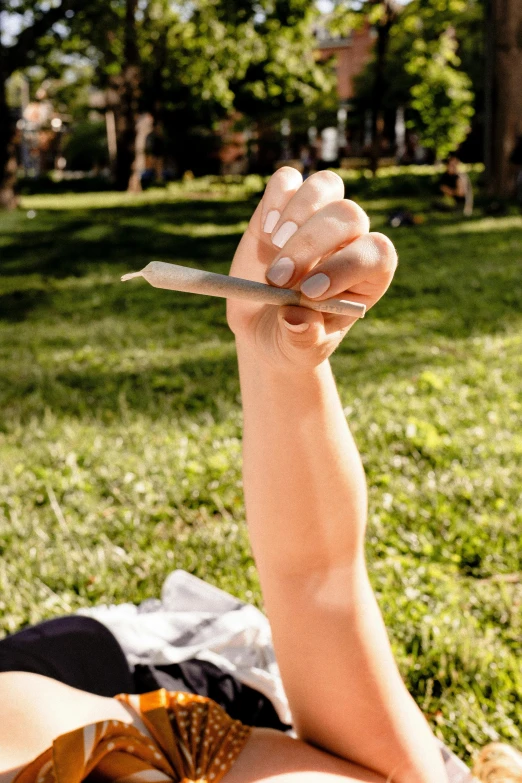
313	194
327	178
351	212
385	249
287	174
320	188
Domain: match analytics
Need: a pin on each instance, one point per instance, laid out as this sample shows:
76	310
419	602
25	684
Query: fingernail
316	285
281	272
295	327
284	233
271	220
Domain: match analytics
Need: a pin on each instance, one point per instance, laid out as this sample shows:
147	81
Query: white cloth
196	620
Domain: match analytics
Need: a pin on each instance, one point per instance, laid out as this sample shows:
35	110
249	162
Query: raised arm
304	484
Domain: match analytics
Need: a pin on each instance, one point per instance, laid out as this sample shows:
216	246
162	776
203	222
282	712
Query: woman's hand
307	236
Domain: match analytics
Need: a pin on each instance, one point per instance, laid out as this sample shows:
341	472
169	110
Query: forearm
305	496
303	479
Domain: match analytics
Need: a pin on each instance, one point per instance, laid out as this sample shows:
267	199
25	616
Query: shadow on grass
109	242
62	290
16	305
171	390
59	244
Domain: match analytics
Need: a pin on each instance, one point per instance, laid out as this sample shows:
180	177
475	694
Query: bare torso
37	709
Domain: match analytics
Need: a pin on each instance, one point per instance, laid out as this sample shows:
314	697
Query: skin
305	490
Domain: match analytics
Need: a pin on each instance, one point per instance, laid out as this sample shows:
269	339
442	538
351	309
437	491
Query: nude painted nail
316	285
271	220
281	272
284	233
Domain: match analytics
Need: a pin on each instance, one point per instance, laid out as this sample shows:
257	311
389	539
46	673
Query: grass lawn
120	428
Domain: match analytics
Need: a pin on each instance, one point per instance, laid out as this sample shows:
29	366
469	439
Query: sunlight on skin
34	721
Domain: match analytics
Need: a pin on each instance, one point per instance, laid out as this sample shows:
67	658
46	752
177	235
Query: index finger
281	186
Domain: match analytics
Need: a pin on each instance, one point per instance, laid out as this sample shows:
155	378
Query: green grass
120	428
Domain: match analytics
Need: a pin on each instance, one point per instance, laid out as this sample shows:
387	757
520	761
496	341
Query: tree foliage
431	64
192	64
427	43
441	94
200	63
30	27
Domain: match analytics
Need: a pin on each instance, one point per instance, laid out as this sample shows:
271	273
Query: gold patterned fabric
191	739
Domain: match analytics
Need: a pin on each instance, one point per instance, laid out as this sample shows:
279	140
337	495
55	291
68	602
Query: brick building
351	55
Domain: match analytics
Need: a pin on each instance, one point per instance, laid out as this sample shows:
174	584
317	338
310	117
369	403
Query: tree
108	34
191	65
417	66
227	57
127	108
19	53
504	92
441	94
104	32
387	15
188	65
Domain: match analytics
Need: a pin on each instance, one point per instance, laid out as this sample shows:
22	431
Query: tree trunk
126	112
7	152
505	29
379	85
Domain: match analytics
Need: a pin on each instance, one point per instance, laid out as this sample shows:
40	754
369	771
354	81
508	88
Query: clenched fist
307	236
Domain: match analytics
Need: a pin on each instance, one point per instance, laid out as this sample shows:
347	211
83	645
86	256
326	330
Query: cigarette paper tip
130	276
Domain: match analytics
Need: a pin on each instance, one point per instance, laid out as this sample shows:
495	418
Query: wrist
260	366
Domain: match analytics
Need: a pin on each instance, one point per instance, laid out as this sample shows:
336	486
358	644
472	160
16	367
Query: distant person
154	157
452	183
415	153
455	186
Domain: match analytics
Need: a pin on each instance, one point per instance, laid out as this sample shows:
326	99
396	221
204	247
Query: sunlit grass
120	428
485	225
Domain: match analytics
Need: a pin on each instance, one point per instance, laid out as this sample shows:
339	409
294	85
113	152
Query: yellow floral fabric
191	739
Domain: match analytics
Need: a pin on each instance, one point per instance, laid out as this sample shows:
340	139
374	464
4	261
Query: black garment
322	165
83	653
77	651
401	217
204	678
449	180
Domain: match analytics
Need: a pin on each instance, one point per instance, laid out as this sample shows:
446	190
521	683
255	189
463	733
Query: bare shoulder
270	755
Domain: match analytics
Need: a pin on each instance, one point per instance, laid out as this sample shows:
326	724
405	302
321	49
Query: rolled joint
130	275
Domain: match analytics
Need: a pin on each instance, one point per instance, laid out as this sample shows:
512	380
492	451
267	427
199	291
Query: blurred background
141	130
143	92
